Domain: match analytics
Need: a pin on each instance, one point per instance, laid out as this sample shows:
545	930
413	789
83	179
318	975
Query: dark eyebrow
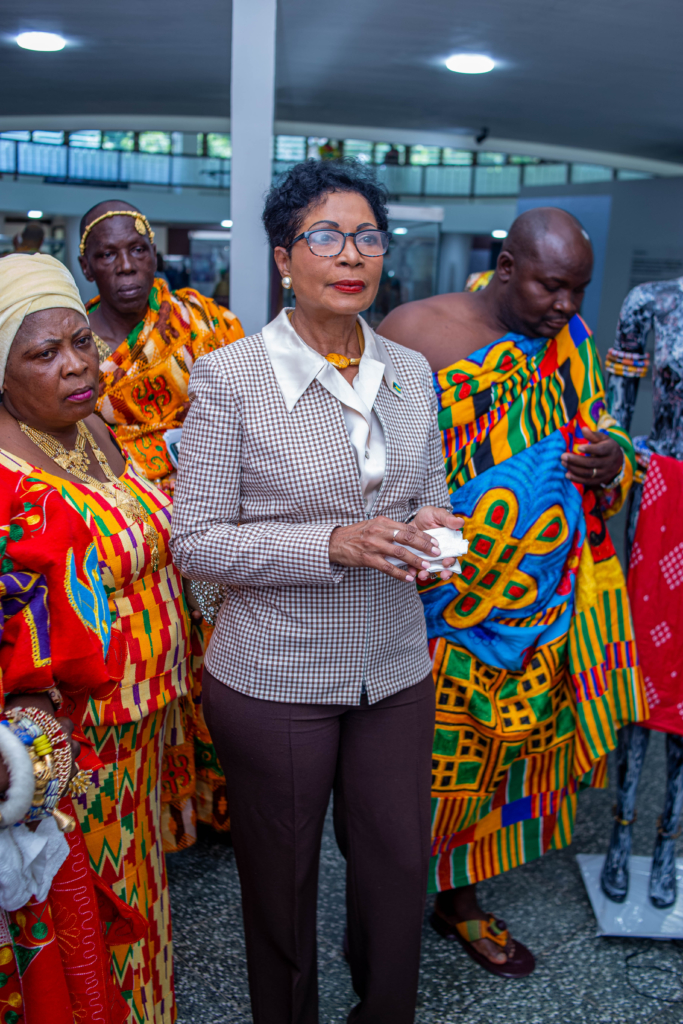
332	222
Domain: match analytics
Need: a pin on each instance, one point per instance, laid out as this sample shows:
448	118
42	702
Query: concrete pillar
454	260
87	289
251	129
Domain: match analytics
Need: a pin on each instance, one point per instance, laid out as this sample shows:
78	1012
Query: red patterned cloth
655	586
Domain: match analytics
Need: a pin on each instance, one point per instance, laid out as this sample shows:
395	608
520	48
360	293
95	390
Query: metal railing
69	164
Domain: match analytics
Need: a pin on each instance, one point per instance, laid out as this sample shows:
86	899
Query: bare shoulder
438	327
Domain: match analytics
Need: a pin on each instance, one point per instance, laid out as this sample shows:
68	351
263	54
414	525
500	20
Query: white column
251	130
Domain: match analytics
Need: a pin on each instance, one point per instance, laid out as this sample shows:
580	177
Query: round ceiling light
34	214
499	233
400	231
41	41
470	63
226	223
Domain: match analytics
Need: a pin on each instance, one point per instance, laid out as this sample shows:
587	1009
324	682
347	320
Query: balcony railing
67	164
70	164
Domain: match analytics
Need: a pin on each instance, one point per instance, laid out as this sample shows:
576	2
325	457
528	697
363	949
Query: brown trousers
281	763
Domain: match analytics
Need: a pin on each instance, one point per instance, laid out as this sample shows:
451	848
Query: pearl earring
286	282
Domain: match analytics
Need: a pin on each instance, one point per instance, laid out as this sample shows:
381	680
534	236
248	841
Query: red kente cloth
54	962
655	586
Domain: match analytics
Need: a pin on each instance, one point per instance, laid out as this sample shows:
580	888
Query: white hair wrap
27	285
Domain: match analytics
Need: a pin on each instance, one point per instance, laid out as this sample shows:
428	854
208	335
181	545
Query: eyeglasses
330	242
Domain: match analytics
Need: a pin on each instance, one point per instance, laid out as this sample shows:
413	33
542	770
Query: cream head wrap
27	285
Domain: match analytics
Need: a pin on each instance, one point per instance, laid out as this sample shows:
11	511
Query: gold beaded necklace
76	463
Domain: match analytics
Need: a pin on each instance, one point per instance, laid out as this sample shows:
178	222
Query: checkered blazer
260	490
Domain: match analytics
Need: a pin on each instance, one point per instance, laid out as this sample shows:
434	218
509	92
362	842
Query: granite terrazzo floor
580	979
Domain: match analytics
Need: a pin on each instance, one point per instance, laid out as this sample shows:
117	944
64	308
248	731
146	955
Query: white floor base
636	917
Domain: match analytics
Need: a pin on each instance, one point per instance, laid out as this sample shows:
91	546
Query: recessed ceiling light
470	63
499	233
226	223
400	231
41	41
35	214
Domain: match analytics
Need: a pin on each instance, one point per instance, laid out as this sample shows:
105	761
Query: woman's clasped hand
369	542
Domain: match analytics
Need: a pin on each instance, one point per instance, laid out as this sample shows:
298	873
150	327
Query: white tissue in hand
451	543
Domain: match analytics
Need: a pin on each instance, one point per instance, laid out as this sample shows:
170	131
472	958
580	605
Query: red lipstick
350	286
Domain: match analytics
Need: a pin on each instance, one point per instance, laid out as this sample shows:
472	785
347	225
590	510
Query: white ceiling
598	74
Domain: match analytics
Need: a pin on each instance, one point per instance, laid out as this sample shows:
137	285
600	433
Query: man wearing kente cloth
149	338
534	661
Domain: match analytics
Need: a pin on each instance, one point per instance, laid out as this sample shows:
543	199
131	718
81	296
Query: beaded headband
141	224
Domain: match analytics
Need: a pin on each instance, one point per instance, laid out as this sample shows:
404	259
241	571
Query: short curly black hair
307	183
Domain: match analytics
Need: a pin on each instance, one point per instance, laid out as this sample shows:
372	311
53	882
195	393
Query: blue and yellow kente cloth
534	659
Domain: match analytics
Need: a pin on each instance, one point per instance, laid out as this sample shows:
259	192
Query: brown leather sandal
518	965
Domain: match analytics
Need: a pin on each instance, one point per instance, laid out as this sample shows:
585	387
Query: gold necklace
68	460
124	497
343	362
103	350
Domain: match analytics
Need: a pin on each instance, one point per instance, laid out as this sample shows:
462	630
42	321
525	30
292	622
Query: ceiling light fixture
470	63
35	214
499	233
41	41
400	231
226	223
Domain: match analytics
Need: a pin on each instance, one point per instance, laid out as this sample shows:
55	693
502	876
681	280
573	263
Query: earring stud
286	282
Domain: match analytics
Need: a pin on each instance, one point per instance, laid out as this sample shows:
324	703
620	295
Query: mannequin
653	557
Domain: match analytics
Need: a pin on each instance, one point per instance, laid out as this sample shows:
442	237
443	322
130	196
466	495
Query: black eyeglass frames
330	241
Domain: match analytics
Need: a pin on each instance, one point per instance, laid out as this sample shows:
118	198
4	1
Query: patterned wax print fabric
143	384
534	659
121	820
475	282
656	307
54	628
149	609
143	393
655	578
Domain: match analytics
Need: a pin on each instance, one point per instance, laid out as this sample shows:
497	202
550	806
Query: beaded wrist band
626	364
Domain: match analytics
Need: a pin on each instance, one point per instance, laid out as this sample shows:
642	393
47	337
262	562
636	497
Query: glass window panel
119	140
155	142
497	181
48	138
425	155
462	157
386	153
490	158
515	158
590	172
401	180
290	147
17	136
219	145
626	175
448	181
85	139
358	149
545	174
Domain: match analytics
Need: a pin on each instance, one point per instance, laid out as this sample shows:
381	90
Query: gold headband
141	224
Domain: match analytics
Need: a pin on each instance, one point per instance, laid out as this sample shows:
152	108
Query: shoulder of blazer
410	367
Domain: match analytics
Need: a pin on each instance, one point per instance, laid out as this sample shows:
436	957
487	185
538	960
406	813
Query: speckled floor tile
580	978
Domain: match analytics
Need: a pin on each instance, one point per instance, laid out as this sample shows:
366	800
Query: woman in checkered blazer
310	456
